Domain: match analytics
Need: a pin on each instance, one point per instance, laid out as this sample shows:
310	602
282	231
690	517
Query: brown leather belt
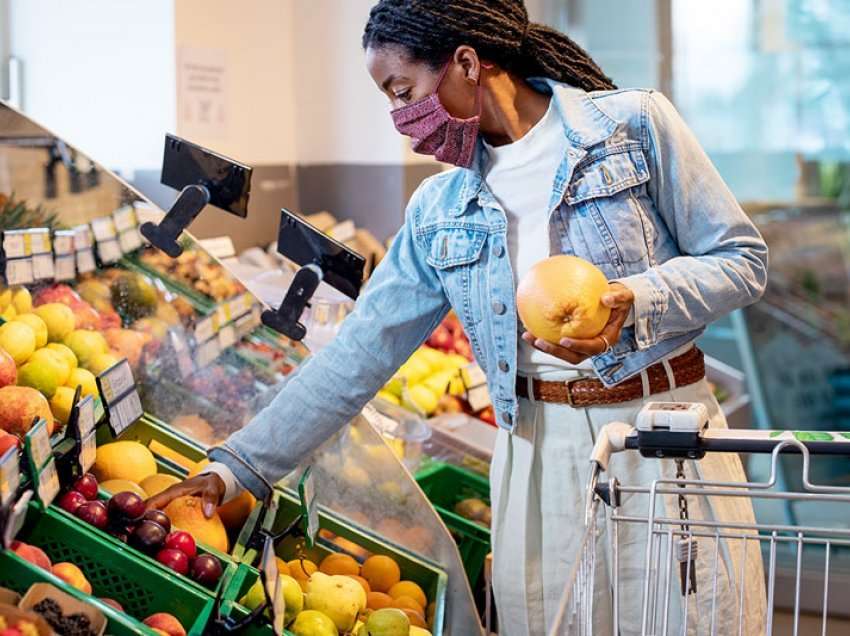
687	368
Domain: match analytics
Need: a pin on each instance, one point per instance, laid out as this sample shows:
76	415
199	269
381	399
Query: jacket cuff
245	474
647	309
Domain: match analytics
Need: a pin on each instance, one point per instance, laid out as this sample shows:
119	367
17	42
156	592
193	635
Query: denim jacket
635	194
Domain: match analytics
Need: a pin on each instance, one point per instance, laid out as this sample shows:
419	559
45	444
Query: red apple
206	570
33	554
126	507
71	501
174	559
94	513
7	441
86	486
8	370
182	541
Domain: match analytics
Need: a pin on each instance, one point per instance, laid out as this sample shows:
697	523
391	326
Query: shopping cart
675	543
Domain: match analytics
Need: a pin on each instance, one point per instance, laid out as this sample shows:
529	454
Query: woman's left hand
575	351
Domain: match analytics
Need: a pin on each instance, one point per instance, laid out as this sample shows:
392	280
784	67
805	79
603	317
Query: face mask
436	132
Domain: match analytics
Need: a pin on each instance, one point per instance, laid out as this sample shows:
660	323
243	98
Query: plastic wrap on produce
359	477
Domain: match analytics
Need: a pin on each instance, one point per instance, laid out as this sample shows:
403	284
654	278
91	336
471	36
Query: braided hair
499	30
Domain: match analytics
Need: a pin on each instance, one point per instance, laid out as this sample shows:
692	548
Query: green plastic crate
445	486
142	586
430	577
239	584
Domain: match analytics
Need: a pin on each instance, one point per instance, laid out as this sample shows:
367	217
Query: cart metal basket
672	543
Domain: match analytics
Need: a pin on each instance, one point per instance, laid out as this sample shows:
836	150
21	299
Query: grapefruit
561	297
186	514
123	460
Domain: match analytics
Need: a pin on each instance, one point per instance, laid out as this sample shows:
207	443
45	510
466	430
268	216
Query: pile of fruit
195	269
341	596
149	531
20	628
474	510
74	576
450	337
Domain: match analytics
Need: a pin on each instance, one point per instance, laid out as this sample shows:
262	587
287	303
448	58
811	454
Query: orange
411	589
405	602
363	582
282	567
339	564
381	572
378	600
561	297
300	570
415	618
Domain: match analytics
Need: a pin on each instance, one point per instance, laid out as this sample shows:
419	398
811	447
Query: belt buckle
569	385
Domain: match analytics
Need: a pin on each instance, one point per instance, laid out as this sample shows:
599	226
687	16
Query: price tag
130	240
225	314
63	242
221	247
244	325
185	365
109	251
207	352
124	218
82	238
124	413
10	475
204	330
42	266
14	244
116	382
48	483
65	268
39	240
88	451
478	398
226	337
85	261
473	376
16	519
103	229
39	444
19	271
148	214
309	506
85	415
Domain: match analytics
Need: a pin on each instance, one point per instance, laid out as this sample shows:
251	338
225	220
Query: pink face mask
436	132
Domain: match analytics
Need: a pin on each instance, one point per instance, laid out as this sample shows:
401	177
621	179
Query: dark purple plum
206	570
126	507
148	537
94	513
159	517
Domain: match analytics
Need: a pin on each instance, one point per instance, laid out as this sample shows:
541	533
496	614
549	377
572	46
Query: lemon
65	352
37	325
85	379
9	313
18	339
101	362
59	320
42	375
61	404
55	361
86	345
22	300
421	399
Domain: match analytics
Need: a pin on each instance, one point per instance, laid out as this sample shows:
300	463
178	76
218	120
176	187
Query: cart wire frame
666	535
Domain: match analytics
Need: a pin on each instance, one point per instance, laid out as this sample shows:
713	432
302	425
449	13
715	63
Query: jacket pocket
456	253
604	193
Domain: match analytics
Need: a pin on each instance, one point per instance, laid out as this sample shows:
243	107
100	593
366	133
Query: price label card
124	218
63	242
226	337
244	325
82	238
478	398
207	352
148	214
124	413
88	451
42	266
39	240
473	376
65	268
309	506
130	240
103	229
14	244
17	516
10	475
85	415
204	330
39	444
85	261
19	271
116	382
48	483
109	251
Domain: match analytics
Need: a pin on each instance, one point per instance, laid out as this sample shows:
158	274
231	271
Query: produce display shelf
446	485
204	304
114	571
285	508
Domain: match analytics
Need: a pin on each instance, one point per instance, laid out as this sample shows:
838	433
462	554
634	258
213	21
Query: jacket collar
585	125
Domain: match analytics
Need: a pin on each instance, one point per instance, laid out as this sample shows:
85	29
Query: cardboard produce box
68	604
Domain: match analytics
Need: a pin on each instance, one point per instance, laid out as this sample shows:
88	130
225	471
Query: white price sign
39	241
116	381
14	244
88	451
85	261
125	218
48	483
85	415
124	413
42	266
206	329
225	314
39	443
63	242
130	240
19	271
109	251
10	475
82	238
65	268
226	337
103	229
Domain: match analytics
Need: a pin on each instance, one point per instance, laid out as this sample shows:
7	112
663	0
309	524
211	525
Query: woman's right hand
209	487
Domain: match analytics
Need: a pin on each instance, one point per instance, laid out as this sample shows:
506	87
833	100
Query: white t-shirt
521	175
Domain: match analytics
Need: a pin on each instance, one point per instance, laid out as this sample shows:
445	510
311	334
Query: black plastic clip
286	319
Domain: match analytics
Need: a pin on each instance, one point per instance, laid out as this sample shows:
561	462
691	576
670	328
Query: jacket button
508	419
499	308
504	367
499	251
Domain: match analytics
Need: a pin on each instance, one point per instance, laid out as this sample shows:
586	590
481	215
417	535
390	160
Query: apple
86	486
441	338
112	603
7	441
94	513
31	553
174	559
71	501
182	541
206	570
165	623
126	507
8	370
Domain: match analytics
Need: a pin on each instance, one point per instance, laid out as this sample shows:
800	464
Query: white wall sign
201	92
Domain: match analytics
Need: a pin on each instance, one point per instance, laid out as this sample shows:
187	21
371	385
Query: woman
550	160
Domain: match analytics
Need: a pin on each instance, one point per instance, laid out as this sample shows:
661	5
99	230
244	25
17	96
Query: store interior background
765	85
